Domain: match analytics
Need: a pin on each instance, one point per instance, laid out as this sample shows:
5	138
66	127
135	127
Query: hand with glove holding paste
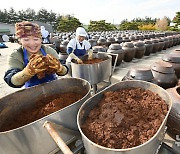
33	63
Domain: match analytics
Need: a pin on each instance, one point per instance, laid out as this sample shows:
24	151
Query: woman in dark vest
32	64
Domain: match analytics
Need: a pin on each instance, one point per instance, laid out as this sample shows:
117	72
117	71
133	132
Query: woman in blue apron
78	46
32	64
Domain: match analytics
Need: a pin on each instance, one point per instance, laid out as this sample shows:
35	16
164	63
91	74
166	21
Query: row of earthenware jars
161	43
153	44
160	73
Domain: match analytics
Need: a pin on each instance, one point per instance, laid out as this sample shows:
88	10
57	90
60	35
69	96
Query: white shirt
72	43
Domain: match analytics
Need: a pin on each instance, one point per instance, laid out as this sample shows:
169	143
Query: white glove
73	56
90	54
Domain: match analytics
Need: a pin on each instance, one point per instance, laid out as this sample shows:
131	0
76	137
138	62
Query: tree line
68	23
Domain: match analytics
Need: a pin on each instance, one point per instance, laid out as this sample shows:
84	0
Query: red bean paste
125	118
93	61
42	107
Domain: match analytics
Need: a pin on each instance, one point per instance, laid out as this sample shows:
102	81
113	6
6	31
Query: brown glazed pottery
116	49
129	50
126	39
175	40
140	73
140	49
170	41
164	74
63	46
93	42
149	47
99	48
156	45
57	46
101	41
161	44
118	39
166	41
110	40
173	121
132	38
174	60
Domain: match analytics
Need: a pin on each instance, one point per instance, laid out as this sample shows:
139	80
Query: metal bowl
149	147
33	138
94	73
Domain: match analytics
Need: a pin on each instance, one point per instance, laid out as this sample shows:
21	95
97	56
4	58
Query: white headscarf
80	31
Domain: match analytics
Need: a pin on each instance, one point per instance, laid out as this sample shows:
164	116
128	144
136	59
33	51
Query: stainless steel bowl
148	147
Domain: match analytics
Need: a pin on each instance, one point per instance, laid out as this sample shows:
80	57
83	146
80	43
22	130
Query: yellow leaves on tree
147	27
162	24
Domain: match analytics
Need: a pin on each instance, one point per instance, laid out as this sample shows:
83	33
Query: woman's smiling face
31	44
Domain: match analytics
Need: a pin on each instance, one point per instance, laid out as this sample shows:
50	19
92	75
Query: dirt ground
4	88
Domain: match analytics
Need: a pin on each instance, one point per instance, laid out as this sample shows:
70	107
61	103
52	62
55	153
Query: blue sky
113	11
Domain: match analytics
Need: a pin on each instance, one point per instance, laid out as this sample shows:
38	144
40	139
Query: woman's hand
55	66
53	63
37	64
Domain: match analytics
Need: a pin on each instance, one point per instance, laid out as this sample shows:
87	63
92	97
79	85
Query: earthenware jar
116	49
93	42
174	60
146	36
161	44
129	50
63	56
156	45
166	41
149	47
57	46
140	49
126	39
170	41
178	36
175	40
173	121
132	38
63	46
140	73
141	37
101	41
99	48
164	74
110	40
95	37
118	39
